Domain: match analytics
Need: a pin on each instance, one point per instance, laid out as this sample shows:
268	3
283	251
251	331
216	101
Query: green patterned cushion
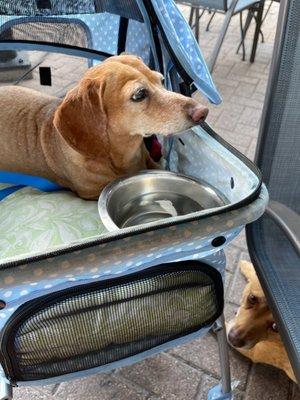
32	221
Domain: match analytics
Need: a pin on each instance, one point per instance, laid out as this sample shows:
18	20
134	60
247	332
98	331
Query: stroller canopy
153	29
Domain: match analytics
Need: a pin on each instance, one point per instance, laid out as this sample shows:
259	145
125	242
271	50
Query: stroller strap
19	181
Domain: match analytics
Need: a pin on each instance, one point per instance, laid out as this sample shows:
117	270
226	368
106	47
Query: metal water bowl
151	196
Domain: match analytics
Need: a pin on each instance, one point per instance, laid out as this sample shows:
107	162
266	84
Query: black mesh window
94	29
46	7
124	8
94	326
69	33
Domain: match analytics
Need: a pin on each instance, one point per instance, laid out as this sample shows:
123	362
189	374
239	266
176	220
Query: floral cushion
31	220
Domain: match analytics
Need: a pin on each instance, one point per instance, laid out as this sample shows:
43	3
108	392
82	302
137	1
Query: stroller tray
34	223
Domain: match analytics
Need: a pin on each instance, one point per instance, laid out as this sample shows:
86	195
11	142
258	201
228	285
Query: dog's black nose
235	339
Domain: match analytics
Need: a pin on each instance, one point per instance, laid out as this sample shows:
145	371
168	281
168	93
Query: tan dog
96	133
253	331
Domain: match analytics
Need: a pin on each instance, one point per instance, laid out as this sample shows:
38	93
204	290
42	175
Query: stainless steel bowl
151	196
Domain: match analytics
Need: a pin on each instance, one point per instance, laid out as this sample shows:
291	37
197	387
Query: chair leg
223	391
262	36
244	31
267	12
260	30
221	37
210	21
257	29
263	20
197	22
192	12
224	355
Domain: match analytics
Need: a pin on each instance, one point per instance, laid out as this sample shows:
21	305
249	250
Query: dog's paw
247	269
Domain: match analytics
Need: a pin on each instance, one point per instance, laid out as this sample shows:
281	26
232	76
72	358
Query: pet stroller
76	299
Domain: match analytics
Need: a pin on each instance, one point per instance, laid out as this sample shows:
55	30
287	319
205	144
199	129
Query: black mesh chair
274	241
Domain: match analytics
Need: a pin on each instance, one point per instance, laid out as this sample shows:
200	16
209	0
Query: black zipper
33	307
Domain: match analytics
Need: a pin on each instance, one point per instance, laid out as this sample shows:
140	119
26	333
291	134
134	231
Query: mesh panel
95	30
46	7
279	158
81	331
101	34
66	33
125	8
274	256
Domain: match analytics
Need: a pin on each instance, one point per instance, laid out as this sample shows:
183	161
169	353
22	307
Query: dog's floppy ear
247	270
81	119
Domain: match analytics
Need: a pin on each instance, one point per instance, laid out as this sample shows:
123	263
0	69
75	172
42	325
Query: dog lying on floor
95	134
253	331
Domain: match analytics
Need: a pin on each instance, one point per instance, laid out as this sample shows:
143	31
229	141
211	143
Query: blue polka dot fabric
182	40
102	31
117	257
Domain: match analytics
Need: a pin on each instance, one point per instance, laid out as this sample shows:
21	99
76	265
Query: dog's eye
139	95
163	80
274	327
252	299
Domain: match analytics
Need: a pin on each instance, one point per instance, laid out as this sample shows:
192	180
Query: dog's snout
198	113
235	339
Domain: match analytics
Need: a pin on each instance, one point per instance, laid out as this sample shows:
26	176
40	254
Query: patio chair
230	8
274	241
268	9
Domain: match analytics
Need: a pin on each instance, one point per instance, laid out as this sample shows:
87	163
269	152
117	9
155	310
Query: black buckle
43	4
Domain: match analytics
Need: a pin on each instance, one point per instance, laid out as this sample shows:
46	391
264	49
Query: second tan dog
95	134
253	331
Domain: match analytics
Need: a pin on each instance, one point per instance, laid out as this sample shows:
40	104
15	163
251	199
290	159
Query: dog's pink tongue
198	114
155	149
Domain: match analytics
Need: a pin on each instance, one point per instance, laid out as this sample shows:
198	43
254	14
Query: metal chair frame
195	16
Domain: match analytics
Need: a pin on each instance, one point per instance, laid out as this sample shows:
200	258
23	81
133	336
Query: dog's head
122	97
254	321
